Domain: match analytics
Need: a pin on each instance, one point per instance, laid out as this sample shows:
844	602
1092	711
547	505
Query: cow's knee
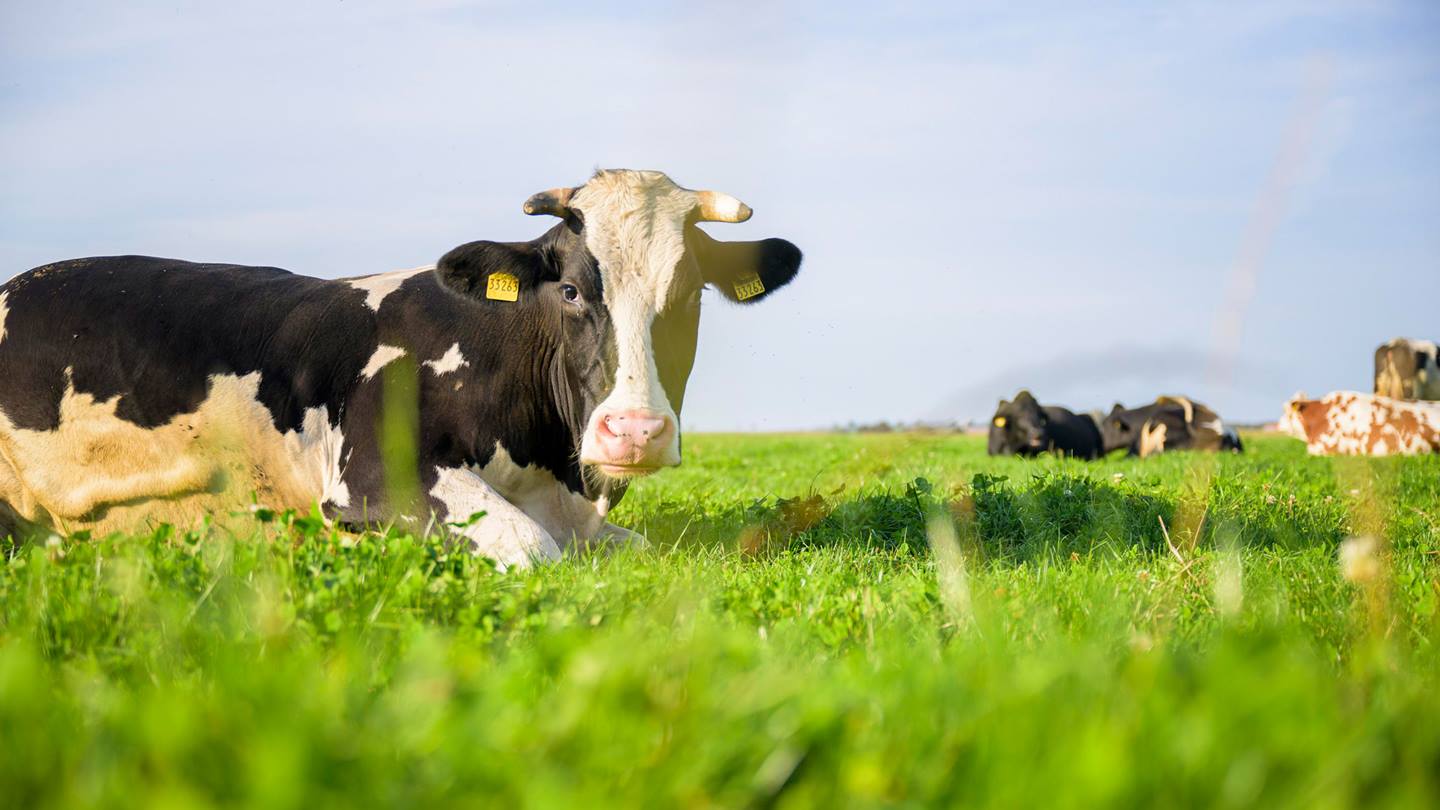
511	541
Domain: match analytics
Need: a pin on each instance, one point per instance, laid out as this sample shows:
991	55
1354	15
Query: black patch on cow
152	331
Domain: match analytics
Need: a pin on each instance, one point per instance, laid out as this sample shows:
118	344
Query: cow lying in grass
1024	427
1168	423
1349	423
535	379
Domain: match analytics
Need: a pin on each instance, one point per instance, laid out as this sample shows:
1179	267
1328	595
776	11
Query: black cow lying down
1024	427
548	373
1169	423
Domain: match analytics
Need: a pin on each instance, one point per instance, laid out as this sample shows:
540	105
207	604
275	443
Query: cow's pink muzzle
631	442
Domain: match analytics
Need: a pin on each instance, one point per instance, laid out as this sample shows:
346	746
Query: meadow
821	620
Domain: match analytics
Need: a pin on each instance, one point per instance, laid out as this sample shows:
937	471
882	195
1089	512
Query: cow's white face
635	228
1290	423
639	228
650	261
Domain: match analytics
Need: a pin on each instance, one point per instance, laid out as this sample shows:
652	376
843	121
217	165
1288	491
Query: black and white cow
1168	423
1024	427
548	373
1406	368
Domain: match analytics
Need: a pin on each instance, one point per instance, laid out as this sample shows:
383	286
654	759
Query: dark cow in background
546	373
1024	427
1168	423
1407	369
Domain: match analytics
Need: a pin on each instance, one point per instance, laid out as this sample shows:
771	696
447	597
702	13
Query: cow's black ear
467	269
745	271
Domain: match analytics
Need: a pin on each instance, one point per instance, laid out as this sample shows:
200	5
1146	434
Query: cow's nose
633	438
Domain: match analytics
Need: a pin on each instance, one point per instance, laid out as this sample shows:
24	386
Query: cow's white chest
566	515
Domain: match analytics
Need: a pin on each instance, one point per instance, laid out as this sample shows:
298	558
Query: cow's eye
570	293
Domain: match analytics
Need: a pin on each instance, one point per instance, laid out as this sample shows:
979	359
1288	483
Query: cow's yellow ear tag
502	287
749	286
999	421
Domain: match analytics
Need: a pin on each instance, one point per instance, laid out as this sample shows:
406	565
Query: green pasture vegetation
822	620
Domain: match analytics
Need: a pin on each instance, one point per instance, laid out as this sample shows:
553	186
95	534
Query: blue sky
1086	201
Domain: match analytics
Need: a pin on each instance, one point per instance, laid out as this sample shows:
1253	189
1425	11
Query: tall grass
821	620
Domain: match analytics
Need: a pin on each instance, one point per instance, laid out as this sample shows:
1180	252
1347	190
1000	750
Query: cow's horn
717	207
555	202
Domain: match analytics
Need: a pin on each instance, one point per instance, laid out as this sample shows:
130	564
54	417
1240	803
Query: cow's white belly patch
103	473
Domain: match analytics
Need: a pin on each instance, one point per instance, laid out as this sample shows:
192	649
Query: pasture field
822	620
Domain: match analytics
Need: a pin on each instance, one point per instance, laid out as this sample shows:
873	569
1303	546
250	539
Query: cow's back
129	379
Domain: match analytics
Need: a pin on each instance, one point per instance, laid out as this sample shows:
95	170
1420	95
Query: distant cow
1169	423
1406	369
1024	427
1349	423
544	376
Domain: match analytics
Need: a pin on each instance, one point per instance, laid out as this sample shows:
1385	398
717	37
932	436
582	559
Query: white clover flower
1360	559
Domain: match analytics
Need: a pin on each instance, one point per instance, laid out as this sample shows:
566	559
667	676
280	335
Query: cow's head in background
1298	410
1122	427
615	287
1019	427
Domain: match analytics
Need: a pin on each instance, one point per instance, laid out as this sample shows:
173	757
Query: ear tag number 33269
748	286
502	287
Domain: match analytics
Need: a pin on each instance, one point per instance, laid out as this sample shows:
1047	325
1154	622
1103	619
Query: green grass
1172	631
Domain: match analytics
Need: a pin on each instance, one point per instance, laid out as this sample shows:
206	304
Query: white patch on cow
382	356
4	311
530	514
635	228
451	360
505	534
377	287
568	516
1152	438
100	472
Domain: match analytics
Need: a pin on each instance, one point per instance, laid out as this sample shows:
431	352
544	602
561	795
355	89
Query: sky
1099	202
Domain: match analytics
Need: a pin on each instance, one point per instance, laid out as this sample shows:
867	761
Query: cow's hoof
618	536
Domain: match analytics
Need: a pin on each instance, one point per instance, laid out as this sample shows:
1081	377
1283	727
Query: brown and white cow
1349	423
1407	369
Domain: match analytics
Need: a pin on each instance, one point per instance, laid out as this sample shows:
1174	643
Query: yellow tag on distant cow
999	421
748	287
502	287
